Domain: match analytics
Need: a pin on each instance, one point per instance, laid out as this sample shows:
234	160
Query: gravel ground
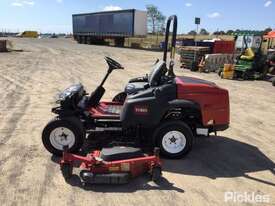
241	159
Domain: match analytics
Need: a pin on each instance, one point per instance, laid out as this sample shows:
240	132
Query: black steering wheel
113	64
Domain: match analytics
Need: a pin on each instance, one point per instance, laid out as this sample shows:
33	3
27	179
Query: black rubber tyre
168	127
81	40
156	174
67	171
220	71
120	97
273	82
71	123
245	75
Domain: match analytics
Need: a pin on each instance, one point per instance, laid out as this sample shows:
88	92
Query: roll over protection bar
173	43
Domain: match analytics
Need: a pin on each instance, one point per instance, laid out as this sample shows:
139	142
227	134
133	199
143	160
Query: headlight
68	92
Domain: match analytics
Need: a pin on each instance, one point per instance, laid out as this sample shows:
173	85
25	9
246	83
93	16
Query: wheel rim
174	142
62	136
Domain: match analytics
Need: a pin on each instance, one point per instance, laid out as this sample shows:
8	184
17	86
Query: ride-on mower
250	64
161	110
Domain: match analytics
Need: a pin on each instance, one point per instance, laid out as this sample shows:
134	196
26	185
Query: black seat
120	153
153	80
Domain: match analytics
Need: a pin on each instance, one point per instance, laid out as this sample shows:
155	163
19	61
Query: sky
56	15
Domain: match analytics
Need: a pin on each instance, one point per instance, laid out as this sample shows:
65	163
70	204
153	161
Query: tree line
230	32
156	25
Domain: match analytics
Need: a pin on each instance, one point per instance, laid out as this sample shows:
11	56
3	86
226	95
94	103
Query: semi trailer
94	28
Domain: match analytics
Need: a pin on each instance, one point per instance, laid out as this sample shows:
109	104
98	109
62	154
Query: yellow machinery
28	34
228	71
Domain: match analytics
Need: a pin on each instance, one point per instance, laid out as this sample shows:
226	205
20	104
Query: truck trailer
94	28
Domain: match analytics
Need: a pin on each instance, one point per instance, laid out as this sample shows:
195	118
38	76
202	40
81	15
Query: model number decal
141	110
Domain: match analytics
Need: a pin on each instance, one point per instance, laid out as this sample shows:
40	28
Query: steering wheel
113	64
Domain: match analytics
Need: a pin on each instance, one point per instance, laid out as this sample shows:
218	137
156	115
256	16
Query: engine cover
213	100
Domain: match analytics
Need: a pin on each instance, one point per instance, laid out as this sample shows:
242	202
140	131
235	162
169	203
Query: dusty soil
240	159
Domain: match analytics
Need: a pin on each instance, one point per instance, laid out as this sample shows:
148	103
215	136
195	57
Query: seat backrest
157	72
248	55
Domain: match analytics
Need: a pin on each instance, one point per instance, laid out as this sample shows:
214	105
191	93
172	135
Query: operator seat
154	77
248	55
120	153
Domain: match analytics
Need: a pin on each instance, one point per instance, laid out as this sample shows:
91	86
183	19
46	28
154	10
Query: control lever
156	92
157	61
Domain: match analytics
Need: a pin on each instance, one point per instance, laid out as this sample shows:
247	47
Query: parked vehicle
251	63
53	36
28	34
94	28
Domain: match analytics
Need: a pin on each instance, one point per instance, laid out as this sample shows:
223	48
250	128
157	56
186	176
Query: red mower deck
97	169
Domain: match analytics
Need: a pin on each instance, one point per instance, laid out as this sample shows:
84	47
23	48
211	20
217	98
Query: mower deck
114	165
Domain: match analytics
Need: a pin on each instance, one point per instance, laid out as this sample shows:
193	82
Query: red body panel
224	47
213	100
106	110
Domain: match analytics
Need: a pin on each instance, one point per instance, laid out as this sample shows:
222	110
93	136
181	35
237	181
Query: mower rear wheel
273	82
62	132
174	138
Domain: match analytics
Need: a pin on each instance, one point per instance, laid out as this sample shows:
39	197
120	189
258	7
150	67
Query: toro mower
159	110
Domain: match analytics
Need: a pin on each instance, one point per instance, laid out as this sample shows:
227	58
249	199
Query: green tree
219	33
229	32
156	20
204	32
193	32
265	32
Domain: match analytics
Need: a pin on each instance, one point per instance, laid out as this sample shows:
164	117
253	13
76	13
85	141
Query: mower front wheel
62	132
174	138
245	75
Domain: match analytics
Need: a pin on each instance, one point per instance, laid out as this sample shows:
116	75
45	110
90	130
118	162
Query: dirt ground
241	159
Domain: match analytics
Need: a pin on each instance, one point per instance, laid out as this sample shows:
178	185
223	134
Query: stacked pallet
191	56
